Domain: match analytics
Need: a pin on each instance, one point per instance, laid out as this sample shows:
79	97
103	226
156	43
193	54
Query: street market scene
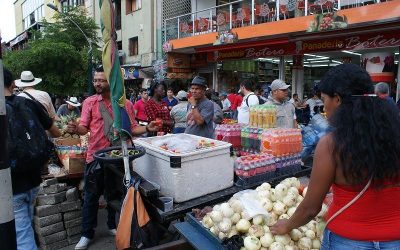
199	124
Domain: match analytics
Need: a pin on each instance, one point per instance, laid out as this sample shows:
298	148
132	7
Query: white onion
267	239
258	220
225	225
271	219
243	226
266	229
256	230
324	210
216	208
237	206
272	195
235	218
227	212
268	205
312	225
214	230
216	216
316	244
291	248
284	239
291	211
283	216
293	190
289	200
295	234
277	246
252	243
310	234
266	186
222	235
207	221
281	191
279	208
305	243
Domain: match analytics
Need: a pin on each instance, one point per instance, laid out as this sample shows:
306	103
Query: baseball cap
279	84
199	80
181	94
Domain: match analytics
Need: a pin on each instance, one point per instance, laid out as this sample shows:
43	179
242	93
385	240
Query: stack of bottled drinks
281	142
251	140
262	116
256	164
229	133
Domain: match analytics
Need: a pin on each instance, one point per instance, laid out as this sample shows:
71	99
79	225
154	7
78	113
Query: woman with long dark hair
157	110
360	159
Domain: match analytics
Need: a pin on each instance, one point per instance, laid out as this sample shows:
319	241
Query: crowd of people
357	115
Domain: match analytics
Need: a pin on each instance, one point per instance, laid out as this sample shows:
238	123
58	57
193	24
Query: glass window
133	5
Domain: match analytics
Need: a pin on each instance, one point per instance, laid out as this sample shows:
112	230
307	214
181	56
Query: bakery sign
253	52
354	42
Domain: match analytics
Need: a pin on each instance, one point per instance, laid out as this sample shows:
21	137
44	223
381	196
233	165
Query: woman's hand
281	227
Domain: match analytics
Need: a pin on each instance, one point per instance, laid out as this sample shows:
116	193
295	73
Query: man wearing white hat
27	83
71	106
285	111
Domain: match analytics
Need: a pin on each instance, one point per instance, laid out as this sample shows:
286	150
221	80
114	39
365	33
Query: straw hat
73	101
27	80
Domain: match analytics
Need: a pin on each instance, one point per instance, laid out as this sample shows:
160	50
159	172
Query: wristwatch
193	106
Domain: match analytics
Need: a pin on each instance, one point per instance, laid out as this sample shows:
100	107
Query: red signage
354	42
253	52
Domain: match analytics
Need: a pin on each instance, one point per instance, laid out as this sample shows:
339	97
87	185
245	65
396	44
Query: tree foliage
58	54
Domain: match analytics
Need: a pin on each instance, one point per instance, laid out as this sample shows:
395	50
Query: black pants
96	184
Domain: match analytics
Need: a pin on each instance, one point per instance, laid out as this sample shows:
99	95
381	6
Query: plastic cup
168	202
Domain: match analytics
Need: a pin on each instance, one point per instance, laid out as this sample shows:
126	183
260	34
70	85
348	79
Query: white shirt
43	98
244	110
226	104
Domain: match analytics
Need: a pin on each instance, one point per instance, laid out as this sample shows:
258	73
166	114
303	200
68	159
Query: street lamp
90	65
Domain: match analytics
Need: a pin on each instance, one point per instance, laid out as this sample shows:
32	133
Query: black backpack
27	141
260	100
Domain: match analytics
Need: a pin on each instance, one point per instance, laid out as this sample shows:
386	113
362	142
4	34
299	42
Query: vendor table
154	205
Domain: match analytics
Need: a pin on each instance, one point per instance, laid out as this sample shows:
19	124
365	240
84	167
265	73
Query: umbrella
122	126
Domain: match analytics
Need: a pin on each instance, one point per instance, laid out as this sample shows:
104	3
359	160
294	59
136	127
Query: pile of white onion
228	219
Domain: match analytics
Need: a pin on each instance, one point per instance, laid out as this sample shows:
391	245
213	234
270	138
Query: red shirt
231	98
238	100
91	119
375	216
156	110
139	108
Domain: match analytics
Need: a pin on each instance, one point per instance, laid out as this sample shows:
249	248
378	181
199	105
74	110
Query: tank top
375	216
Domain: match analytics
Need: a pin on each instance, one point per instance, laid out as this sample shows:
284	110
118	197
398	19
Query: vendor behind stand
359	160
200	110
285	111
97	118
72	106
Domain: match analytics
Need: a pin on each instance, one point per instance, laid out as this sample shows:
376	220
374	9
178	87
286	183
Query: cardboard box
76	164
67	141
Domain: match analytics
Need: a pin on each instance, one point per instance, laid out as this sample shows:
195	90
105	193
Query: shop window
133	46
118	20
133	5
119	44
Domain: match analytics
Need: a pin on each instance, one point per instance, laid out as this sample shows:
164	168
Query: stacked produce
63	123
252	213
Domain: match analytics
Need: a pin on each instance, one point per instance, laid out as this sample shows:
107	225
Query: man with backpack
249	99
29	151
285	111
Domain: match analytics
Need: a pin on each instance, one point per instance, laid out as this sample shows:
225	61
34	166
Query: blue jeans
332	241
179	130
23	212
94	188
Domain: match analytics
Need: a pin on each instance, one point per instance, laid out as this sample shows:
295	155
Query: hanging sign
354	42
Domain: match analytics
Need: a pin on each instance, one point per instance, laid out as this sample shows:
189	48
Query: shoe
112	232
83	243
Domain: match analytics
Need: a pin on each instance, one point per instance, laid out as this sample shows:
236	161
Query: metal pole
8	237
252	12
230	16
178	27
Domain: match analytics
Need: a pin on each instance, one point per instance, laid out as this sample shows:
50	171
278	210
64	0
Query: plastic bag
252	205
177	143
